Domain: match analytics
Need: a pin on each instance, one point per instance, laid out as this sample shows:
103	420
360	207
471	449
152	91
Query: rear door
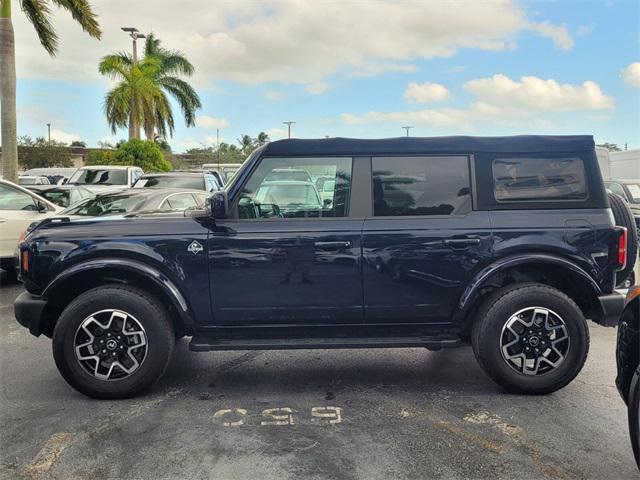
286	256
423	242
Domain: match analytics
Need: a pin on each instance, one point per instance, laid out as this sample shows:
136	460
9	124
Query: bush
142	153
40	153
101	157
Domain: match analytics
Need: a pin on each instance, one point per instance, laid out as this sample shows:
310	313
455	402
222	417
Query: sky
359	69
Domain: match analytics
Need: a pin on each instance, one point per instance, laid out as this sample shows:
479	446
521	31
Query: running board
204	343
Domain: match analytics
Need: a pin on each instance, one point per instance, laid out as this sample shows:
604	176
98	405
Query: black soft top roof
420	145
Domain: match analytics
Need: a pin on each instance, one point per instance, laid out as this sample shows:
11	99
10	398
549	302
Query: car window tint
535	179
97	176
288	188
171	181
408	186
111	204
13	199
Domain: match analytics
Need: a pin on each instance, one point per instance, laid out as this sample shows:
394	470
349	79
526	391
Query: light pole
134	129
407	128
49	132
135	35
288	124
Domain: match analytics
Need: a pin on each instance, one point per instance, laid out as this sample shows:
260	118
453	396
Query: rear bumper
611	306
28	309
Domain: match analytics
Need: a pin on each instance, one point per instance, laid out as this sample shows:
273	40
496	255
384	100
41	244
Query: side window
179	201
531	179
407	186
12	199
289	188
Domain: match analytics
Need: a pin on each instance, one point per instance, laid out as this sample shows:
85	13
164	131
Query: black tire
634	415
624	218
147	311
487	334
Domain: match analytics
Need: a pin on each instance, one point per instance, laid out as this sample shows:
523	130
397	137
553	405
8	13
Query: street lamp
135	35
407	128
288	124
49	132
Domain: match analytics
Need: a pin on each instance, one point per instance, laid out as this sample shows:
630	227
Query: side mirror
41	206
218	204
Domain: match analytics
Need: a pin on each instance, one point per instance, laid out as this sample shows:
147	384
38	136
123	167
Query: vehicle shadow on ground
407	370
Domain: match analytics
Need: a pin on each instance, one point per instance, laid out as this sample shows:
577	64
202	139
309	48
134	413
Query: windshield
56	196
170	182
284	195
634	190
106	204
99	176
26	181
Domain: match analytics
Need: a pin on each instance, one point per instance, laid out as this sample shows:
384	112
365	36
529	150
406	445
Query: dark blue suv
508	243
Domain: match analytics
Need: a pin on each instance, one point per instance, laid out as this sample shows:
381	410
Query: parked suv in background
506	242
102	178
629	190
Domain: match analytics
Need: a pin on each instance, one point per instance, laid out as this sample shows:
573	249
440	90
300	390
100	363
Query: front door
288	255
424	242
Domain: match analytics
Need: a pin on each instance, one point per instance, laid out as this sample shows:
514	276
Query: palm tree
173	64
262	139
150	108
39	13
137	95
247	144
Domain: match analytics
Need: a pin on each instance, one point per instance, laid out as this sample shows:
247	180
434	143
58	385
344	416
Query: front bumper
28	309
611	306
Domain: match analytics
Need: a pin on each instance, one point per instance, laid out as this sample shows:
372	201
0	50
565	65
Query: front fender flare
471	292
157	277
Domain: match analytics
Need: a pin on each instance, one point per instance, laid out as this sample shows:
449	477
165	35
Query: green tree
612	147
261	139
101	157
39	14
141	97
142	153
40	153
78	143
247	144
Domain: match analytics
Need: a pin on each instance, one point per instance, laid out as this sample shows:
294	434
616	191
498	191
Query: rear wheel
530	338
624	218
113	342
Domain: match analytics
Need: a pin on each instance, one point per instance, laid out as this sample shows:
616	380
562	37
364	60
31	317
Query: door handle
332	245
461	242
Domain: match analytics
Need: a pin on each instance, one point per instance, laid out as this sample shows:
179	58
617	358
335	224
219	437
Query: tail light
24	260
622	248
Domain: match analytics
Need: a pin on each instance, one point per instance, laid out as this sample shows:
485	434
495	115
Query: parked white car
18	209
106	178
33	180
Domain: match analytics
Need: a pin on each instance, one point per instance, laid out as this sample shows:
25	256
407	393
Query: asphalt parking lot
364	414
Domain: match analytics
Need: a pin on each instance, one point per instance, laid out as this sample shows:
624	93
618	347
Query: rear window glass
535	179
408	186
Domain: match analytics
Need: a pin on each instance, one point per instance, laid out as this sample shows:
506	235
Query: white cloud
62	136
290	41
585	30
426	92
205	121
539	94
631	74
317	88
273	96
277	133
500	101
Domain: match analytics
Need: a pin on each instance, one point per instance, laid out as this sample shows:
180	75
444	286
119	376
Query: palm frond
39	14
115	66
82	13
185	95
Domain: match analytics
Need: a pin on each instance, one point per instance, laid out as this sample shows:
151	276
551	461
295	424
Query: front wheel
113	342
530	338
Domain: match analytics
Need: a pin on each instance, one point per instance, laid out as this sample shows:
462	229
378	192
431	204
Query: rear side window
539	179
408	186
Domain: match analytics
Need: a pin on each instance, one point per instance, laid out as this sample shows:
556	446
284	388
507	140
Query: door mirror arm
218	205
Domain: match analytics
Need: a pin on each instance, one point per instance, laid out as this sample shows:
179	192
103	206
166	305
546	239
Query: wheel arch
551	270
94	273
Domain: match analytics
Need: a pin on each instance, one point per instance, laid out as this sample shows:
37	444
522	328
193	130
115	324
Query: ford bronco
507	243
